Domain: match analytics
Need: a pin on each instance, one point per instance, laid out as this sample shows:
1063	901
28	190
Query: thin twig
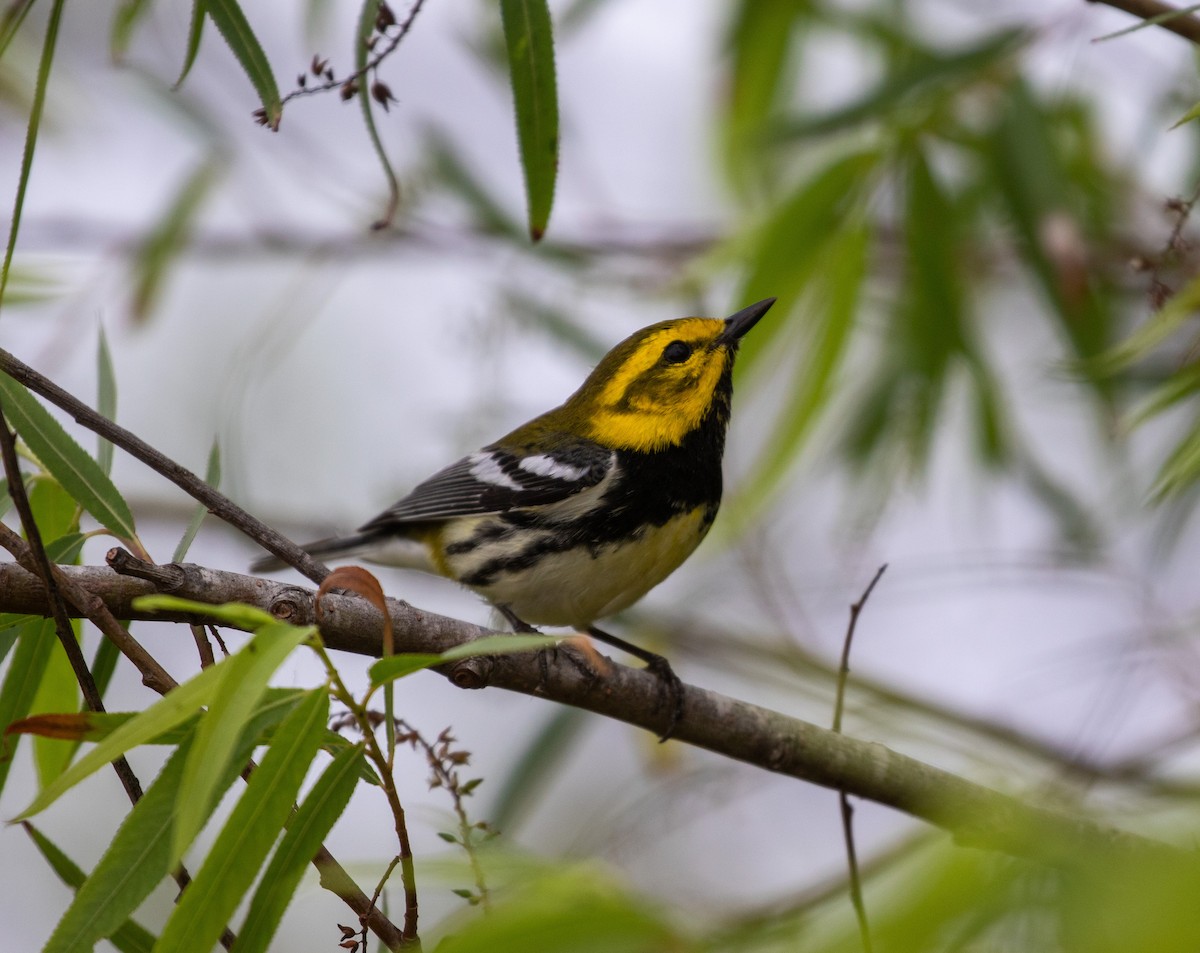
372	63
856	896
1170	18
218	504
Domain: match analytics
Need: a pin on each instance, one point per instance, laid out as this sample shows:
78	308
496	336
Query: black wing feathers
494	479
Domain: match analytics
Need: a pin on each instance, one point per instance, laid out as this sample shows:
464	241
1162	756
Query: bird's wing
495	480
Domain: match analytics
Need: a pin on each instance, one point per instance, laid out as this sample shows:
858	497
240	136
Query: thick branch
976	815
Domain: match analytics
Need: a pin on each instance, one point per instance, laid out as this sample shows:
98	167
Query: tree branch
1177	21
976	815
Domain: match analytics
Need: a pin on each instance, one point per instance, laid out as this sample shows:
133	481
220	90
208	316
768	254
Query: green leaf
129	14
133	864
106	399
253	826
35	645
212	476
1179	309
236	614
129	937
229	19
305	833
67	462
166	240
31	131
236	696
831	317
397	666
58	691
529	38
195	35
175	707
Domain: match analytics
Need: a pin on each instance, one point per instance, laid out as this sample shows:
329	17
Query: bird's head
658	385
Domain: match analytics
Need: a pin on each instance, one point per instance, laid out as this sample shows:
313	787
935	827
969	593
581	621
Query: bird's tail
372	545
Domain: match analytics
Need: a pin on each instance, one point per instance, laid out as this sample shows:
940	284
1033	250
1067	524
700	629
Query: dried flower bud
382	95
318	65
349	90
301	79
384	18
260	116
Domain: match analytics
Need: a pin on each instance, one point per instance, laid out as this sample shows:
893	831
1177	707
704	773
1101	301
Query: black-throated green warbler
580	512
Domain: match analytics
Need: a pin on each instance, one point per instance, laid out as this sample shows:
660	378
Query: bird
580	512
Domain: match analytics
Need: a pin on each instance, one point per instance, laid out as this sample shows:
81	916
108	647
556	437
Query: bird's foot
672	685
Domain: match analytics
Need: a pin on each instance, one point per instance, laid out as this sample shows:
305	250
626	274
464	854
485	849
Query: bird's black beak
738	324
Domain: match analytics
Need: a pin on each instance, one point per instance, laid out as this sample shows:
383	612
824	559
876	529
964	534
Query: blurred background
967	212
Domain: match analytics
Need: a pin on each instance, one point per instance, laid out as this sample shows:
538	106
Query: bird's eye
677	352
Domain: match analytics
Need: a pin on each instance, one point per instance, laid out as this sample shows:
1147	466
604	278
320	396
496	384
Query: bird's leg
520	625
659	666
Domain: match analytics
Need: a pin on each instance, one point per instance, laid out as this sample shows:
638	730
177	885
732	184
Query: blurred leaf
106	399
231	22
1181	468
1041	198
125	20
449	167
34	645
546	752
31	130
129	937
397	666
1178	311
195	35
11	20
305	833
175	707
831	315
1149	21
761	39
940	75
167	239
366	28
212	476
234	698
66	461
1193	113
529	38
787	249
568	910
253	826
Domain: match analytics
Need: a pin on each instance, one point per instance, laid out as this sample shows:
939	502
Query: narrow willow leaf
162	246
31	132
195	35
106	399
175	707
229	19
397	666
247	837
212	476
67	462
366	28
34	646
130	937
57	692
231	613
11	20
139	856
133	864
1180	309
235	698
529	38
305	833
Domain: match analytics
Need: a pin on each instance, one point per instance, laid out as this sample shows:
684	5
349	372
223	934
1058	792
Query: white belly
578	586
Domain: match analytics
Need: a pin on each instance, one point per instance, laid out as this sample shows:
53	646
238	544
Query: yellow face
655	387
